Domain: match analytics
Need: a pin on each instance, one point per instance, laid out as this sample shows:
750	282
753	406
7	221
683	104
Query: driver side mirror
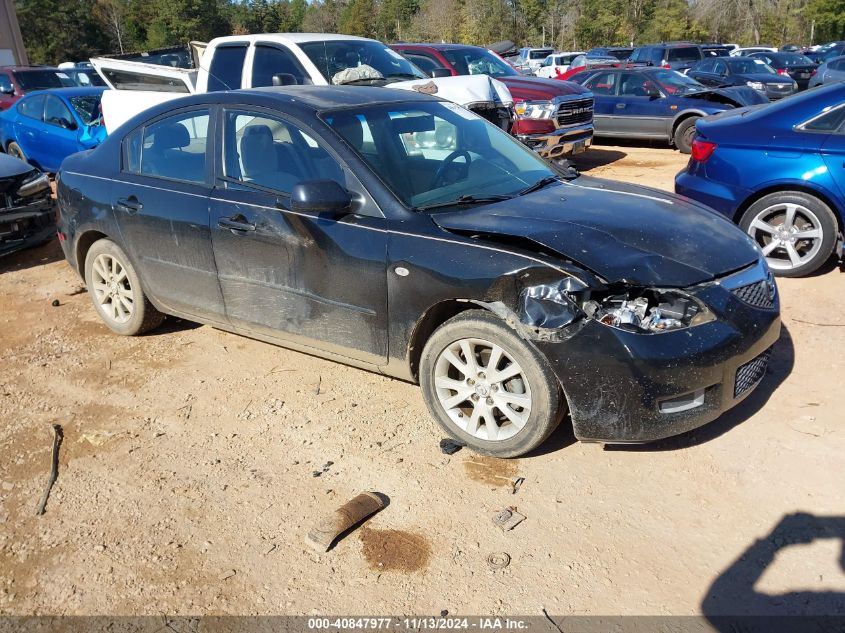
440	72
284	79
320	196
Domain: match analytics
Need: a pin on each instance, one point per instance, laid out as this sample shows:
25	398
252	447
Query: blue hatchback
46	126
778	171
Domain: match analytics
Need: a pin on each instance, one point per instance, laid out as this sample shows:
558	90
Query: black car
27	215
827	52
673	55
400	233
797	67
744	71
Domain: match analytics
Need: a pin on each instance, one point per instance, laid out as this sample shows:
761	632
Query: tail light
812	72
664	64
782	71
702	150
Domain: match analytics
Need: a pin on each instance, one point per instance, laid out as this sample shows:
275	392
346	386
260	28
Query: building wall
12	50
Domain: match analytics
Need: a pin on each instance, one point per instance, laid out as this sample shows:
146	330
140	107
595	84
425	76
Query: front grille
751	373
575	112
756	294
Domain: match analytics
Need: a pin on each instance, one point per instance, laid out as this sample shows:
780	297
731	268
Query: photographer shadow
733	601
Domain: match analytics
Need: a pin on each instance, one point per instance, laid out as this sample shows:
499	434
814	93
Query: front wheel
685	134
489	388
796	231
115	290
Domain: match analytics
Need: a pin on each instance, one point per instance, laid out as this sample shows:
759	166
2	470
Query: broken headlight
550	306
649	311
34	183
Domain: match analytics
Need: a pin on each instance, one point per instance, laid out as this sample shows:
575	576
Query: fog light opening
683	403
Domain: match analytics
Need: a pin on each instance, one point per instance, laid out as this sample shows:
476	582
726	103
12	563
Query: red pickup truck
553	117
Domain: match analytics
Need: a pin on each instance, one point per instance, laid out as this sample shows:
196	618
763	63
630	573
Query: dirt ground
195	461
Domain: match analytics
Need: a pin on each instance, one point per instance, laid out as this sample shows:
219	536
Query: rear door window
272	60
32	107
175	147
602	84
227	64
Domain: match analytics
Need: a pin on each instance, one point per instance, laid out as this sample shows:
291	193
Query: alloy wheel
112	289
482	389
789	234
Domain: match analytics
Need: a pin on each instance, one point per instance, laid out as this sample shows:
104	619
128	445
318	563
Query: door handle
620	106
236	223
130	204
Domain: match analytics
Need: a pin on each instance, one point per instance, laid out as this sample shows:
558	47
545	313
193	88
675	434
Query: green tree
56	31
359	18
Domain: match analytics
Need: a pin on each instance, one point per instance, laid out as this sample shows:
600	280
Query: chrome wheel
482	389
789	234
112	289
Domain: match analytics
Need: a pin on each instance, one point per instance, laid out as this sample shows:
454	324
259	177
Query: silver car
831	70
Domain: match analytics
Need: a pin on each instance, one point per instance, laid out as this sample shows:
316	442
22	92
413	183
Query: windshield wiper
403	76
349	82
467	199
543	182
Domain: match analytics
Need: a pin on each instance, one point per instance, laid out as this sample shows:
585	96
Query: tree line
58	30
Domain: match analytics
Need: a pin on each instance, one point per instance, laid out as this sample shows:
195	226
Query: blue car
655	103
779	172
46	126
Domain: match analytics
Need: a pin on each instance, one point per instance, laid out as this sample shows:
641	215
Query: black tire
143	316
547	402
823	218
14	150
684	134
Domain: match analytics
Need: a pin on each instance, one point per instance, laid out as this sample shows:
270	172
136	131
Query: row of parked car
393	230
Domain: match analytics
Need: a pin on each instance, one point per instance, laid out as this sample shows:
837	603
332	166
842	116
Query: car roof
293	38
441	47
21	68
73	91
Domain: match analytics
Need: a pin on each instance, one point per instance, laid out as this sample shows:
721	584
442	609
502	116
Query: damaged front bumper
560	142
27	225
624	385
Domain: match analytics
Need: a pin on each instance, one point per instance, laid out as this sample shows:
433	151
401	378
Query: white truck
273	59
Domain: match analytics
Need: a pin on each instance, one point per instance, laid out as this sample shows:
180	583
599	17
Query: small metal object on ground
448	446
498	560
516	484
56	303
507	518
54	468
346	516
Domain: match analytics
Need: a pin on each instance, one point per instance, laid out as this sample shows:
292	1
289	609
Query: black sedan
797	67
27	214
743	71
403	234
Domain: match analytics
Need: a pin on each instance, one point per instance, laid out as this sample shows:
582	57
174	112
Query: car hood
736	96
539	89
618	231
765	78
12	172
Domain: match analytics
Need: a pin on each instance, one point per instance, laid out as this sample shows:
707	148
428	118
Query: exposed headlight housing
535	109
33	184
756	85
649	311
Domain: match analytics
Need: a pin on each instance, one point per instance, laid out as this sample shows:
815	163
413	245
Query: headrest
349	127
171	136
258	154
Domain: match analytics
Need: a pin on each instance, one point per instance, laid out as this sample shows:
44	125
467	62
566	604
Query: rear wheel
684	135
489	388
796	231
115	290
15	150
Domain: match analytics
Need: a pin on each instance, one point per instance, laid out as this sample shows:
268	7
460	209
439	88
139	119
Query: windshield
541	53
477	61
789	61
620	53
359	61
749	67
87	107
437	153
39	80
683	54
675	83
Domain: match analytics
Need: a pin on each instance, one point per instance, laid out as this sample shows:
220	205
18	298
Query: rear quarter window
832	121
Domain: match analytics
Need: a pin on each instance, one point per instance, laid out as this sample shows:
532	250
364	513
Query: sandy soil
195	461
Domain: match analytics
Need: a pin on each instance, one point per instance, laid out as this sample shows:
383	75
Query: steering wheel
440	175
